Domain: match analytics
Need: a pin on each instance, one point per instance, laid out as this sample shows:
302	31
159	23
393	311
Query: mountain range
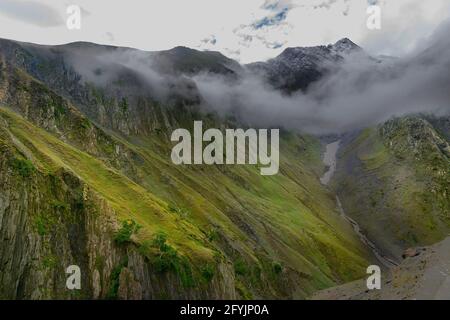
86	179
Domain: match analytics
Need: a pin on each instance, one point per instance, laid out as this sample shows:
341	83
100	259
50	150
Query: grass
291	216
128	199
388	190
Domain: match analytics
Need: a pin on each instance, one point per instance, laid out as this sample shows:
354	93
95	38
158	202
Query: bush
207	272
24	167
159	241
240	267
145	248
168	259
129	227
277	268
212	235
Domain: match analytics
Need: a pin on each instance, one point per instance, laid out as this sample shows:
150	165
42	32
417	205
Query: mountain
86	179
182	60
296	68
394	181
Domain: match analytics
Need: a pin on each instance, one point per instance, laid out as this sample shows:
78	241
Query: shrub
212	235
240	267
129	227
85	124
159	241
145	247
207	272
24	167
277	268
168	259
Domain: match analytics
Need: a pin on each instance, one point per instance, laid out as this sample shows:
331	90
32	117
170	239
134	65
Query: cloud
280	24
278	5
360	93
325	4
209	40
271	20
31	12
404	26
270	30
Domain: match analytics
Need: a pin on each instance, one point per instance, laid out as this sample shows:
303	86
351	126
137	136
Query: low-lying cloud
360	93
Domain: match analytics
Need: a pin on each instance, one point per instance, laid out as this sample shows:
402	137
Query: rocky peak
345	45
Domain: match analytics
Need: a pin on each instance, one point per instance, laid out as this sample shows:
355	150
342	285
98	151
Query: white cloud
229	25
31	12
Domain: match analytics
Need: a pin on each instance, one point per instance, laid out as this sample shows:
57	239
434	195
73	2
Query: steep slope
61	207
152	229
394	181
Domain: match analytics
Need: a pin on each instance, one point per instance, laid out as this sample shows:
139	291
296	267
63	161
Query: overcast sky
246	30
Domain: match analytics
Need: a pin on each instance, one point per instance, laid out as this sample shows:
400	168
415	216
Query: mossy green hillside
394	181
288	219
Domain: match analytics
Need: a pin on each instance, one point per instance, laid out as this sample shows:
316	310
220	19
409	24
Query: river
329	159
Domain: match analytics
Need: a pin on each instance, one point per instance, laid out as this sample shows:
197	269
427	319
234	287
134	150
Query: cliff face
86	179
49	222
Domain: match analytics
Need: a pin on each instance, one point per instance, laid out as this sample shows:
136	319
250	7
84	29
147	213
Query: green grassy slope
282	233
394	181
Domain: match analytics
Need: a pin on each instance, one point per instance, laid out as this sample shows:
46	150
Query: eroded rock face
48	223
37	247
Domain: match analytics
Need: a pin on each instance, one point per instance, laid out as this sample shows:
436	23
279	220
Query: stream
329	159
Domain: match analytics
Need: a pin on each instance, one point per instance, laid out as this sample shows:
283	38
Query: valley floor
424	272
329	159
423	276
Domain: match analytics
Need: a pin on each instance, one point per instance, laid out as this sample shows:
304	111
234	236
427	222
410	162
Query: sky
245	30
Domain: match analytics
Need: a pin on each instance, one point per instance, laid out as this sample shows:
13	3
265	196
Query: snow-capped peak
345	45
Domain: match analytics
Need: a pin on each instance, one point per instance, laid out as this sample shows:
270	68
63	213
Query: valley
329	159
87	179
